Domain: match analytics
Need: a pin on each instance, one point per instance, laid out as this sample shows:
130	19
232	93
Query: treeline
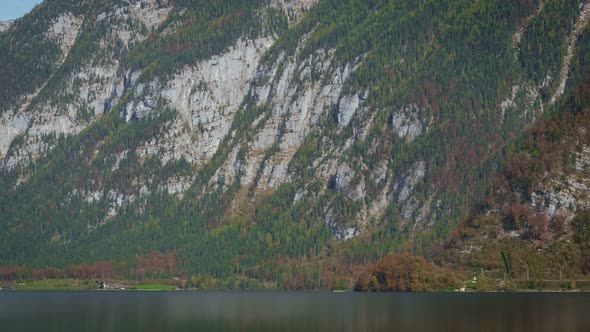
81	271
153	265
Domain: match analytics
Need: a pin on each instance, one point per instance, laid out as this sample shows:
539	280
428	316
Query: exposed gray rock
378	206
294	8
5	25
578	28
406	122
528	100
151	12
177	186
344	177
64	31
583	160
340	232
93	85
518	35
208	94
89	91
347	108
414	175
380	172
405	187
10	127
297	108
565	193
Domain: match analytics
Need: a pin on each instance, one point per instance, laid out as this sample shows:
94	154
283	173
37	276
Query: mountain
281	141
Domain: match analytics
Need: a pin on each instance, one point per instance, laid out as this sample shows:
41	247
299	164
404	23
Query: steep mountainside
537	215
266	139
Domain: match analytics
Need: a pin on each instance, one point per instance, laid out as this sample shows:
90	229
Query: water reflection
224	311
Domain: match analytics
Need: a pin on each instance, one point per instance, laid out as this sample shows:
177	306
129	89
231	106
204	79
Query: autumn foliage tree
9	273
38	273
405	273
156	264
103	269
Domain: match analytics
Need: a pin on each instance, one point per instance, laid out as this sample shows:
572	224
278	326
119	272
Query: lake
290	311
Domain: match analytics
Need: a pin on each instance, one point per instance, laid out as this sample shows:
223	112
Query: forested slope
281	141
534	226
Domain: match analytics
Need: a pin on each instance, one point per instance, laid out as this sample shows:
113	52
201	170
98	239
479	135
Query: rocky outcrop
526	100
298	103
565	193
124	20
64	31
293	8
578	28
206	96
11	127
521	30
348	106
406	123
5	25
151	12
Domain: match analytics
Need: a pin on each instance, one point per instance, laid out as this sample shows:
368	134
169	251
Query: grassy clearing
155	287
55	284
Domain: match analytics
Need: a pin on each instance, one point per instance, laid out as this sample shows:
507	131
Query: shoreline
512	291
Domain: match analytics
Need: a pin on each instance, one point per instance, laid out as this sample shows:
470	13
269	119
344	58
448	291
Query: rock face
5	25
64	31
565	194
294	8
151	13
208	95
406	123
11	127
295	110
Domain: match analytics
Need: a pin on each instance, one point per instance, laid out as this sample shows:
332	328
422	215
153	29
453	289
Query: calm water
217	311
